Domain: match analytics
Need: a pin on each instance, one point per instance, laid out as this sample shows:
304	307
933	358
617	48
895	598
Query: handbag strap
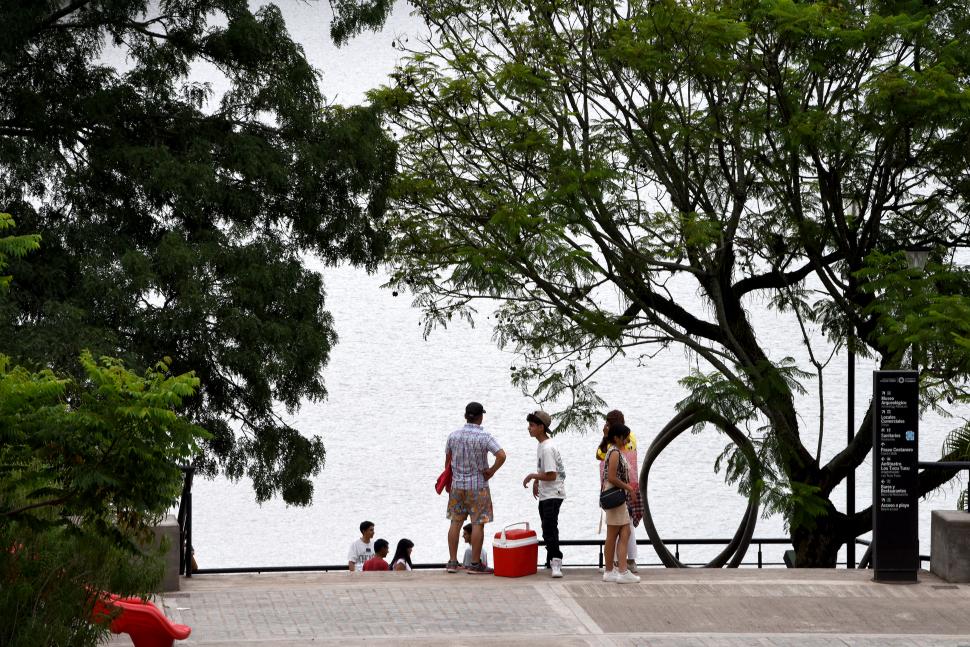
619	467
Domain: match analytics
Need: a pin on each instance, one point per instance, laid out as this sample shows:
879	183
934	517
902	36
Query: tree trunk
818	547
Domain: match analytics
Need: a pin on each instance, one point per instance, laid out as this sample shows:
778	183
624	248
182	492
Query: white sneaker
626	577
609	576
631	565
556	567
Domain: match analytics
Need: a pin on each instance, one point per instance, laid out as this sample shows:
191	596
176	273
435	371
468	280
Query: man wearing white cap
548	486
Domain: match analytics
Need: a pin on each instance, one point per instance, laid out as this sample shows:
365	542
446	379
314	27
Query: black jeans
549	514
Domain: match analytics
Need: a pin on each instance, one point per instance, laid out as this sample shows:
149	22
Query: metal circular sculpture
738	545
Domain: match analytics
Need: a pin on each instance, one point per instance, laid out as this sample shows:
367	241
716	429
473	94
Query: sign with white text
895	433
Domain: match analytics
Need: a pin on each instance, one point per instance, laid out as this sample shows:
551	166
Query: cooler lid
500	544
516	533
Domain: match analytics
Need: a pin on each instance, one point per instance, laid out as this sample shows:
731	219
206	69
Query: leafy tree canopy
556	155
175	221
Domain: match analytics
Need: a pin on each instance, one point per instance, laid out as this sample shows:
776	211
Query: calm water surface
394	397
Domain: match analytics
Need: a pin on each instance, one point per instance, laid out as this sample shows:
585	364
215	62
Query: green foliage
103	452
13	247
86	468
176	219
591	164
926	313
351	17
47	577
957	447
958	443
731	399
800	503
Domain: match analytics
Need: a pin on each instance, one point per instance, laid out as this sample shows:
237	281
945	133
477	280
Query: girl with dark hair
616	473
402	556
635	502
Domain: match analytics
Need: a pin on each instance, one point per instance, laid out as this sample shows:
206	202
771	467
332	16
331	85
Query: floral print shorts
476	505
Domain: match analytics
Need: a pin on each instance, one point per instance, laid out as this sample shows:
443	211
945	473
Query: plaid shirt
469	448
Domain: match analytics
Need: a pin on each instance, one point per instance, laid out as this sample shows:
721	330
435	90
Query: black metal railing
866	560
677	543
185	523
187	564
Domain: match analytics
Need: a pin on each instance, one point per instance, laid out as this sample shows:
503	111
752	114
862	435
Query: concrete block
950	545
169	529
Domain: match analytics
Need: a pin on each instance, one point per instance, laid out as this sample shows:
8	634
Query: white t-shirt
467	561
360	553
549	460
407	566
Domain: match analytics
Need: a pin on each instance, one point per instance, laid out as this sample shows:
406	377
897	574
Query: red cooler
516	551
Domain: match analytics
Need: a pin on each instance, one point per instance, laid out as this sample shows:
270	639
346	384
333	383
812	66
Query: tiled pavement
669	608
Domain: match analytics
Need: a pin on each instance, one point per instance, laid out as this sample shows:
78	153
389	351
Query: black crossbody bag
613	497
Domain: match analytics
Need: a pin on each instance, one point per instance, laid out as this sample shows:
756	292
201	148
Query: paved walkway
669	608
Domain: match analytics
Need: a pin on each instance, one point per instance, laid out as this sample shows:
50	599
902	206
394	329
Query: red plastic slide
140	619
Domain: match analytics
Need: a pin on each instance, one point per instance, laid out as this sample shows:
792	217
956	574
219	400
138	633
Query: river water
395	396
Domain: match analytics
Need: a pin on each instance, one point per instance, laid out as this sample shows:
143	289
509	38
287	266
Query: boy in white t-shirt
547	486
466	535
362	549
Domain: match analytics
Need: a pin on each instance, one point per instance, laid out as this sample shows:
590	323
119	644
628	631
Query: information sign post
895	435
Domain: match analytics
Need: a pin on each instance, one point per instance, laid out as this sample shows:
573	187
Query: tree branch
778	280
32	506
57	15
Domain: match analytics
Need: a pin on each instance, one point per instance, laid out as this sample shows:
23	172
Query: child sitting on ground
466	536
